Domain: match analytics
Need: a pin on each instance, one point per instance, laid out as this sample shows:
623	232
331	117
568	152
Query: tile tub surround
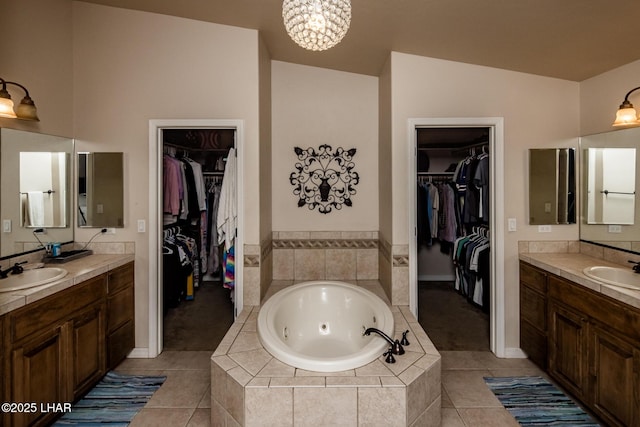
249	387
325	255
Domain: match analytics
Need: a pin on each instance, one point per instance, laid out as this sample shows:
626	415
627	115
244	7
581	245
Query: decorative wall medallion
323	178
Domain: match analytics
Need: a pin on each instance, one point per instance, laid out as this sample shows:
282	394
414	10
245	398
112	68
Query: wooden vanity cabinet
594	349
55	349
533	313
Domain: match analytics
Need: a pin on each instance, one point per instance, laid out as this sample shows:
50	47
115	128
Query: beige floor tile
467	389
480	360
154	417
170	360
200	418
487	417
182	389
451	418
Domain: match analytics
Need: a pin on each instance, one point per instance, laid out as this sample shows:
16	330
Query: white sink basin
623	277
31	278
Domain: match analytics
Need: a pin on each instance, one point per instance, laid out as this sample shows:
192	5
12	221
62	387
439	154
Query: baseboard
514	353
139	353
436	278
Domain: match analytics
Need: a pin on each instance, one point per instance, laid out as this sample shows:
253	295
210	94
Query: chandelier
316	24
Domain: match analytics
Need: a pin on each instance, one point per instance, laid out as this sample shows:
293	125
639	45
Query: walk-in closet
199	202
452	236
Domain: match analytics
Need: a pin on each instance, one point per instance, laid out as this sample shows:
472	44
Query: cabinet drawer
119	344
535	278
534	343
119	308
533	307
121	277
51	310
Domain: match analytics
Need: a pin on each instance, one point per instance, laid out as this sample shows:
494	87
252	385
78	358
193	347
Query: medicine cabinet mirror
100	190
609	181
552	186
35	178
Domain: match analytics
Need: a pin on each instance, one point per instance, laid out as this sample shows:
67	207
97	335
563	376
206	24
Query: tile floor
184	398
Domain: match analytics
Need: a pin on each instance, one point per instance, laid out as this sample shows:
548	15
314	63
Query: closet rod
184	147
435	173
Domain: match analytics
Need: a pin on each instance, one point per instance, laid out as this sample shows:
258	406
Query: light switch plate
511	224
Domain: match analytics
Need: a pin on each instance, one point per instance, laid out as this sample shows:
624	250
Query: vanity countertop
570	267
78	271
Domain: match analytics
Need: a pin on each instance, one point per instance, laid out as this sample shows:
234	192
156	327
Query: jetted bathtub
319	326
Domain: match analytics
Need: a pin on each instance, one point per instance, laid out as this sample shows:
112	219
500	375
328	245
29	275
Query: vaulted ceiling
567	39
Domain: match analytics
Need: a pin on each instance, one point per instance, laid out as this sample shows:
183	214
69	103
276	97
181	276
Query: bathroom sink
617	276
31	278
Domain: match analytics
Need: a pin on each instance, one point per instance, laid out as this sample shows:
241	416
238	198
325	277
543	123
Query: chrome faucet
636	266
396	347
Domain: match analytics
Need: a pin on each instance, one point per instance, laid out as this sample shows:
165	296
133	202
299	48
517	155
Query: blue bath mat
534	401
113	402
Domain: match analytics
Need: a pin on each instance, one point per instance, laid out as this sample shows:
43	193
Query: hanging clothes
227	211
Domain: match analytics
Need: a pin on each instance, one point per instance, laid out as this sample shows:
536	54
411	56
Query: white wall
130	67
36	52
538	112
314	106
600	97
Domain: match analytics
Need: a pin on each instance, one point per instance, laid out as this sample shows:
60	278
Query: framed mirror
100	190
35	177
609	166
552	186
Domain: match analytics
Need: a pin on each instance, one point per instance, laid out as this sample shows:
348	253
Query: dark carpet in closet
199	325
452	322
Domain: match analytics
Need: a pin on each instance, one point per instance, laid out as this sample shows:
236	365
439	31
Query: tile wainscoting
320	255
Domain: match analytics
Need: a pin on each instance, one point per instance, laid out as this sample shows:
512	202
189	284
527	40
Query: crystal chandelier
316	24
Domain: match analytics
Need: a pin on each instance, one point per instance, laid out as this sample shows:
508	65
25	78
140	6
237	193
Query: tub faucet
396	347
636	266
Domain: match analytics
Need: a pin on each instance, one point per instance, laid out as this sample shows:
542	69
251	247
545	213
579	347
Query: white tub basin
623	277
31	278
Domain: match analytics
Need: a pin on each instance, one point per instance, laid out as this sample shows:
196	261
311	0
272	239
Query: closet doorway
198	290
454	247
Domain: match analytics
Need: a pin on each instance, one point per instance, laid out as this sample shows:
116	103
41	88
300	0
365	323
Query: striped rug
113	402
534	401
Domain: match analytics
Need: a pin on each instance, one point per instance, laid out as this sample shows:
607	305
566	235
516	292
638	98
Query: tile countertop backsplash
77	271
570	266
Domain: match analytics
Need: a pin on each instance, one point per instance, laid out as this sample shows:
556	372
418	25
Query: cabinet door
615	378
88	348
568	348
38	374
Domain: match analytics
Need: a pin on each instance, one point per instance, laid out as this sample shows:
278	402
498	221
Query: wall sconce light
626	114
25	111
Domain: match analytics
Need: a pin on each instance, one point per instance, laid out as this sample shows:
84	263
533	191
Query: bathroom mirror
35	177
552	186
617	227
42	197
100	190
610	195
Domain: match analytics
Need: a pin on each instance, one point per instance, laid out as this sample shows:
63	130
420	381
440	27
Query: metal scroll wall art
324	179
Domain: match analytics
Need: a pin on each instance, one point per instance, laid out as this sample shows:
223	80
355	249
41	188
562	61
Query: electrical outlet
544	229
110	231
615	229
